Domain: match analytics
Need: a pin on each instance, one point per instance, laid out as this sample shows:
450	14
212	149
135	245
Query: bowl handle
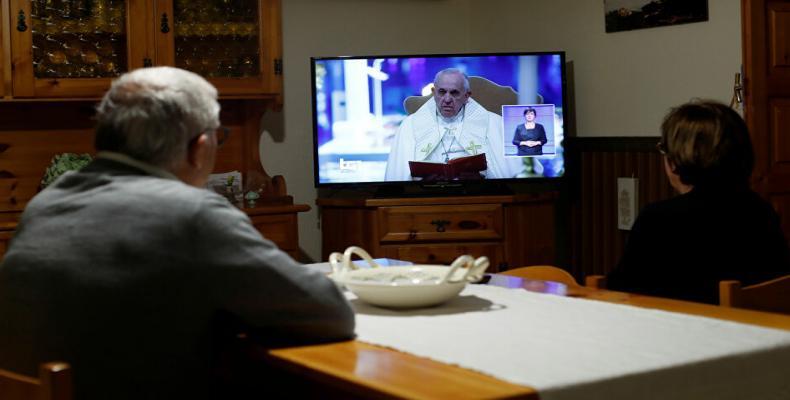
460	262
342	262
478	269
474	269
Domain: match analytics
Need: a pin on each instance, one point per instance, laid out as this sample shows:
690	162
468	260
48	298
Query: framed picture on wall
626	15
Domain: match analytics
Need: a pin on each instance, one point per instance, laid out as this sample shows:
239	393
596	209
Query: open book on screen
458	168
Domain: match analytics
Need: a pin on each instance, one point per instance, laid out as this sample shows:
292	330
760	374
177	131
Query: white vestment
420	138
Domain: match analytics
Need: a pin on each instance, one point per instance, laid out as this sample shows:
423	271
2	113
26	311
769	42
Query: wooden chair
773	295
53	383
555	274
489	94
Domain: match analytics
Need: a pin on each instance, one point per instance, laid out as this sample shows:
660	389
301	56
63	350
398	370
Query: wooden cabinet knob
440	224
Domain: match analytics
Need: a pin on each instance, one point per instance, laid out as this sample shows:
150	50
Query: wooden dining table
359	370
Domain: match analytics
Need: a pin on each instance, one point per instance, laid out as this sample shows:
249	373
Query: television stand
511	230
443	189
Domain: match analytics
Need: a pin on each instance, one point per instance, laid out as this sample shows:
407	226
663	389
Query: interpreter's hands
533	143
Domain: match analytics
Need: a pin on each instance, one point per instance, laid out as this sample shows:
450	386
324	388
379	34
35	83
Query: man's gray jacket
121	274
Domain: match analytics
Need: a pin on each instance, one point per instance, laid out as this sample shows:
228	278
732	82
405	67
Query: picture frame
626	15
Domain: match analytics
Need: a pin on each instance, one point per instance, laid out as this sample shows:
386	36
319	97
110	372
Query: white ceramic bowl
406	286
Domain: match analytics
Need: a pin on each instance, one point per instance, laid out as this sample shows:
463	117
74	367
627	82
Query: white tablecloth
570	348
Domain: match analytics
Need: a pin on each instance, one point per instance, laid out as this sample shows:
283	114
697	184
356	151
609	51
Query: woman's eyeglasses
661	147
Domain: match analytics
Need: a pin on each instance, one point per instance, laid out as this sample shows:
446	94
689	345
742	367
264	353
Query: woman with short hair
717	228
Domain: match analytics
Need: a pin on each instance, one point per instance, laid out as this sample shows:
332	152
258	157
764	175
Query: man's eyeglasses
661	147
222	133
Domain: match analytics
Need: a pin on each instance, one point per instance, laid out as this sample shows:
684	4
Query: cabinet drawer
280	229
444	254
440	223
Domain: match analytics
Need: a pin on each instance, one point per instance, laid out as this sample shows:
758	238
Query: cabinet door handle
468	224
164	25
147	62
21	24
440	223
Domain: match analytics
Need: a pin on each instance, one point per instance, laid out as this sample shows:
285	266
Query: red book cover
457	168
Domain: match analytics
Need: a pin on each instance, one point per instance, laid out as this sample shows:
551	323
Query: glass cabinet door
230	42
73	48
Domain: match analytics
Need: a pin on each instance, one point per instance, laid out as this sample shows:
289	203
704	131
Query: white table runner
570	348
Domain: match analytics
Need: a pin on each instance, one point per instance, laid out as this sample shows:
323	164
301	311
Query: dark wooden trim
612	143
593	166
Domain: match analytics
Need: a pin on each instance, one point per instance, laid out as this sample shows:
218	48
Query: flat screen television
364	134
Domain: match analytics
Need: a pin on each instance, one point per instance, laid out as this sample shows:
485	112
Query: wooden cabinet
5	51
512	230
278	224
235	44
74	48
58	56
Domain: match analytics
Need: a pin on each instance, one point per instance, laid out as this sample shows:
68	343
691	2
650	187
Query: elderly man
123	268
453	125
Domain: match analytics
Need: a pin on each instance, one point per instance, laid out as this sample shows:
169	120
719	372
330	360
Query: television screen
382	119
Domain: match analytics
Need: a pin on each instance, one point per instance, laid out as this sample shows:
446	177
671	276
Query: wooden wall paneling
581	224
596	242
530	230
611	206
595	210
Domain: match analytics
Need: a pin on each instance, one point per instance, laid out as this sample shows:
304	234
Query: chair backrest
773	295
53	383
489	94
543	273
595	281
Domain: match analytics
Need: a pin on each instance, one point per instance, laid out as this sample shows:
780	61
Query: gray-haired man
120	268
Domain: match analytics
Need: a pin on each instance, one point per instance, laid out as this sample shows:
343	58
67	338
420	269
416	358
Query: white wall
344	27
624	82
